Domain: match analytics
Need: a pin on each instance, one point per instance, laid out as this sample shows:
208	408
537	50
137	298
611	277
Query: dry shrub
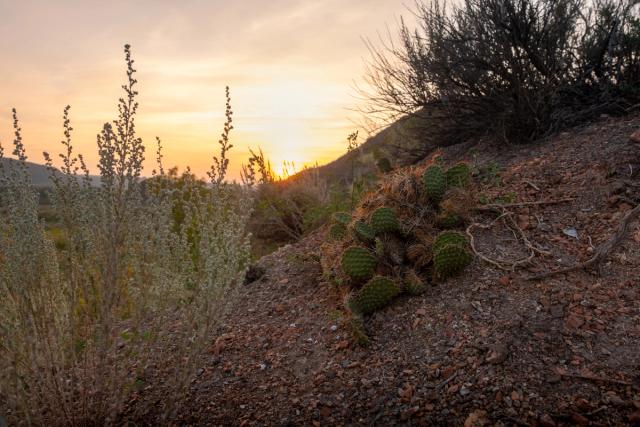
132	299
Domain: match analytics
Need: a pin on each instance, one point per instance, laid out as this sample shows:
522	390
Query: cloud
290	64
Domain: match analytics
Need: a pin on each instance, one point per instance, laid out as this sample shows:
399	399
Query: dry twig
603	250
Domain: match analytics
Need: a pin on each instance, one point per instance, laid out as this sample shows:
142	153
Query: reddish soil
486	348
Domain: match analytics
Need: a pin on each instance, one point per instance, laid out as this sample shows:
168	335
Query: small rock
464	390
545	420
635	137
497	354
580	420
421	312
574	322
477	418
334	328
583	405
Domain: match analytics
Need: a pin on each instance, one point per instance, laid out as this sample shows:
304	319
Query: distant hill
399	142
40	175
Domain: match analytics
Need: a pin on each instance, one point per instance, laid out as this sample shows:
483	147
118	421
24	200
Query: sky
291	66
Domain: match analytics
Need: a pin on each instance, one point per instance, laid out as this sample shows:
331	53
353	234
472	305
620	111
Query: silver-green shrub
136	291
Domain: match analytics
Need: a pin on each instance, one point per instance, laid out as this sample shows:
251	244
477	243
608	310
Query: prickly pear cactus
358	263
375	294
448	220
450	259
342	218
384	220
419	255
449	238
435	182
364	232
337	231
413	284
458	175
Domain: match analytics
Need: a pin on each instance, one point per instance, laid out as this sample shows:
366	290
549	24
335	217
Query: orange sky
290	65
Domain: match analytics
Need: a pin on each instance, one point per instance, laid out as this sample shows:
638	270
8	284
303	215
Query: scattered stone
477	418
545	420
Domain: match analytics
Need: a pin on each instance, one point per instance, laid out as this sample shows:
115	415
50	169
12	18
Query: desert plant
377	293
413	284
458	175
435	182
358	263
449	238
130	293
511	69
450	259
337	231
342	218
364	232
384	220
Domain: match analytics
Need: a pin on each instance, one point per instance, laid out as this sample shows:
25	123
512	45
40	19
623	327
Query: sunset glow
290	66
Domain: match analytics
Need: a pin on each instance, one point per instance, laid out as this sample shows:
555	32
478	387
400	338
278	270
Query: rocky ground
487	348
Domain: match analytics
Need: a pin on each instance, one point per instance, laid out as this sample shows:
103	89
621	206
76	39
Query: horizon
293	97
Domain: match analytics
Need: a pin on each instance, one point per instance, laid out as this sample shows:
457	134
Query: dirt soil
485	348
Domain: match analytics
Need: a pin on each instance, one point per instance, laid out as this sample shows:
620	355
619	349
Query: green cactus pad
458	175
448	220
435	182
358	262
342	218
451	259
384	220
337	231
449	238
376	294
364	232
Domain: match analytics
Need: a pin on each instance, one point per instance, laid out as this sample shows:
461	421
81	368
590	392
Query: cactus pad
450	259
375	294
358	262
342	218
448	220
364	232
384	220
449	238
337	231
435	182
458	175
413	284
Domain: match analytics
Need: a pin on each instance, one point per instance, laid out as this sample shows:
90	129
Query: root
507	217
603	250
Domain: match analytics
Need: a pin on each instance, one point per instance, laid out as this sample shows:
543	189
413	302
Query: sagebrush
145	272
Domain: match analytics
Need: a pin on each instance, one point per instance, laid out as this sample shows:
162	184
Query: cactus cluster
375	294
458	175
413	284
384	220
364	232
342	218
450	254
435	182
337	231
358	262
448	220
385	258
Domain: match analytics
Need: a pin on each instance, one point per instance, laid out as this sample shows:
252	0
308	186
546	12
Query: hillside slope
486	348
